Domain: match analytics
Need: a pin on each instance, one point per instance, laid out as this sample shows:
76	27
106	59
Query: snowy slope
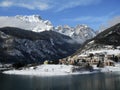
34	22
80	33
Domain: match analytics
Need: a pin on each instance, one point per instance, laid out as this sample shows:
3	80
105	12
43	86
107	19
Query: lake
99	81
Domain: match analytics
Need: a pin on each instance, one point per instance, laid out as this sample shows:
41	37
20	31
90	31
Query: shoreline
59	70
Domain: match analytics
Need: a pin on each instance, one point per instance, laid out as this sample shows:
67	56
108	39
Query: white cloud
93	19
56	5
6	4
39	6
74	3
89	19
110	22
99	22
114	21
30	4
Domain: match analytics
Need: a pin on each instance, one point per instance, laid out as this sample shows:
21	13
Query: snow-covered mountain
18	45
80	33
107	41
35	23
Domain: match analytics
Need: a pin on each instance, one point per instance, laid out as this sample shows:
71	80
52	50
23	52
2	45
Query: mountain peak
32	22
80	33
30	18
82	25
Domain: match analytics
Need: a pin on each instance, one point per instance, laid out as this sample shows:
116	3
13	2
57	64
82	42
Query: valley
25	49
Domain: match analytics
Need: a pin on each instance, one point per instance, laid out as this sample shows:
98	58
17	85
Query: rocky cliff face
18	45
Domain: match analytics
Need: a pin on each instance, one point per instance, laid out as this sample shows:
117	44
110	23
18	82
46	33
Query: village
94	58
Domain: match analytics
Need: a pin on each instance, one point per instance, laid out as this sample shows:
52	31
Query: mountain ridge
35	23
79	33
18	45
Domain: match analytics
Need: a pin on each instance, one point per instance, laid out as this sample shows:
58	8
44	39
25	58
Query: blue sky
94	13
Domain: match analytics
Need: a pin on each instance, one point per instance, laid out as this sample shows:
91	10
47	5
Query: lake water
101	81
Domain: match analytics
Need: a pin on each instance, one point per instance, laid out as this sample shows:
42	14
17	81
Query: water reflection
106	81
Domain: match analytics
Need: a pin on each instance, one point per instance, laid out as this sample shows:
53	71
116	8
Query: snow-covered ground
48	70
59	70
